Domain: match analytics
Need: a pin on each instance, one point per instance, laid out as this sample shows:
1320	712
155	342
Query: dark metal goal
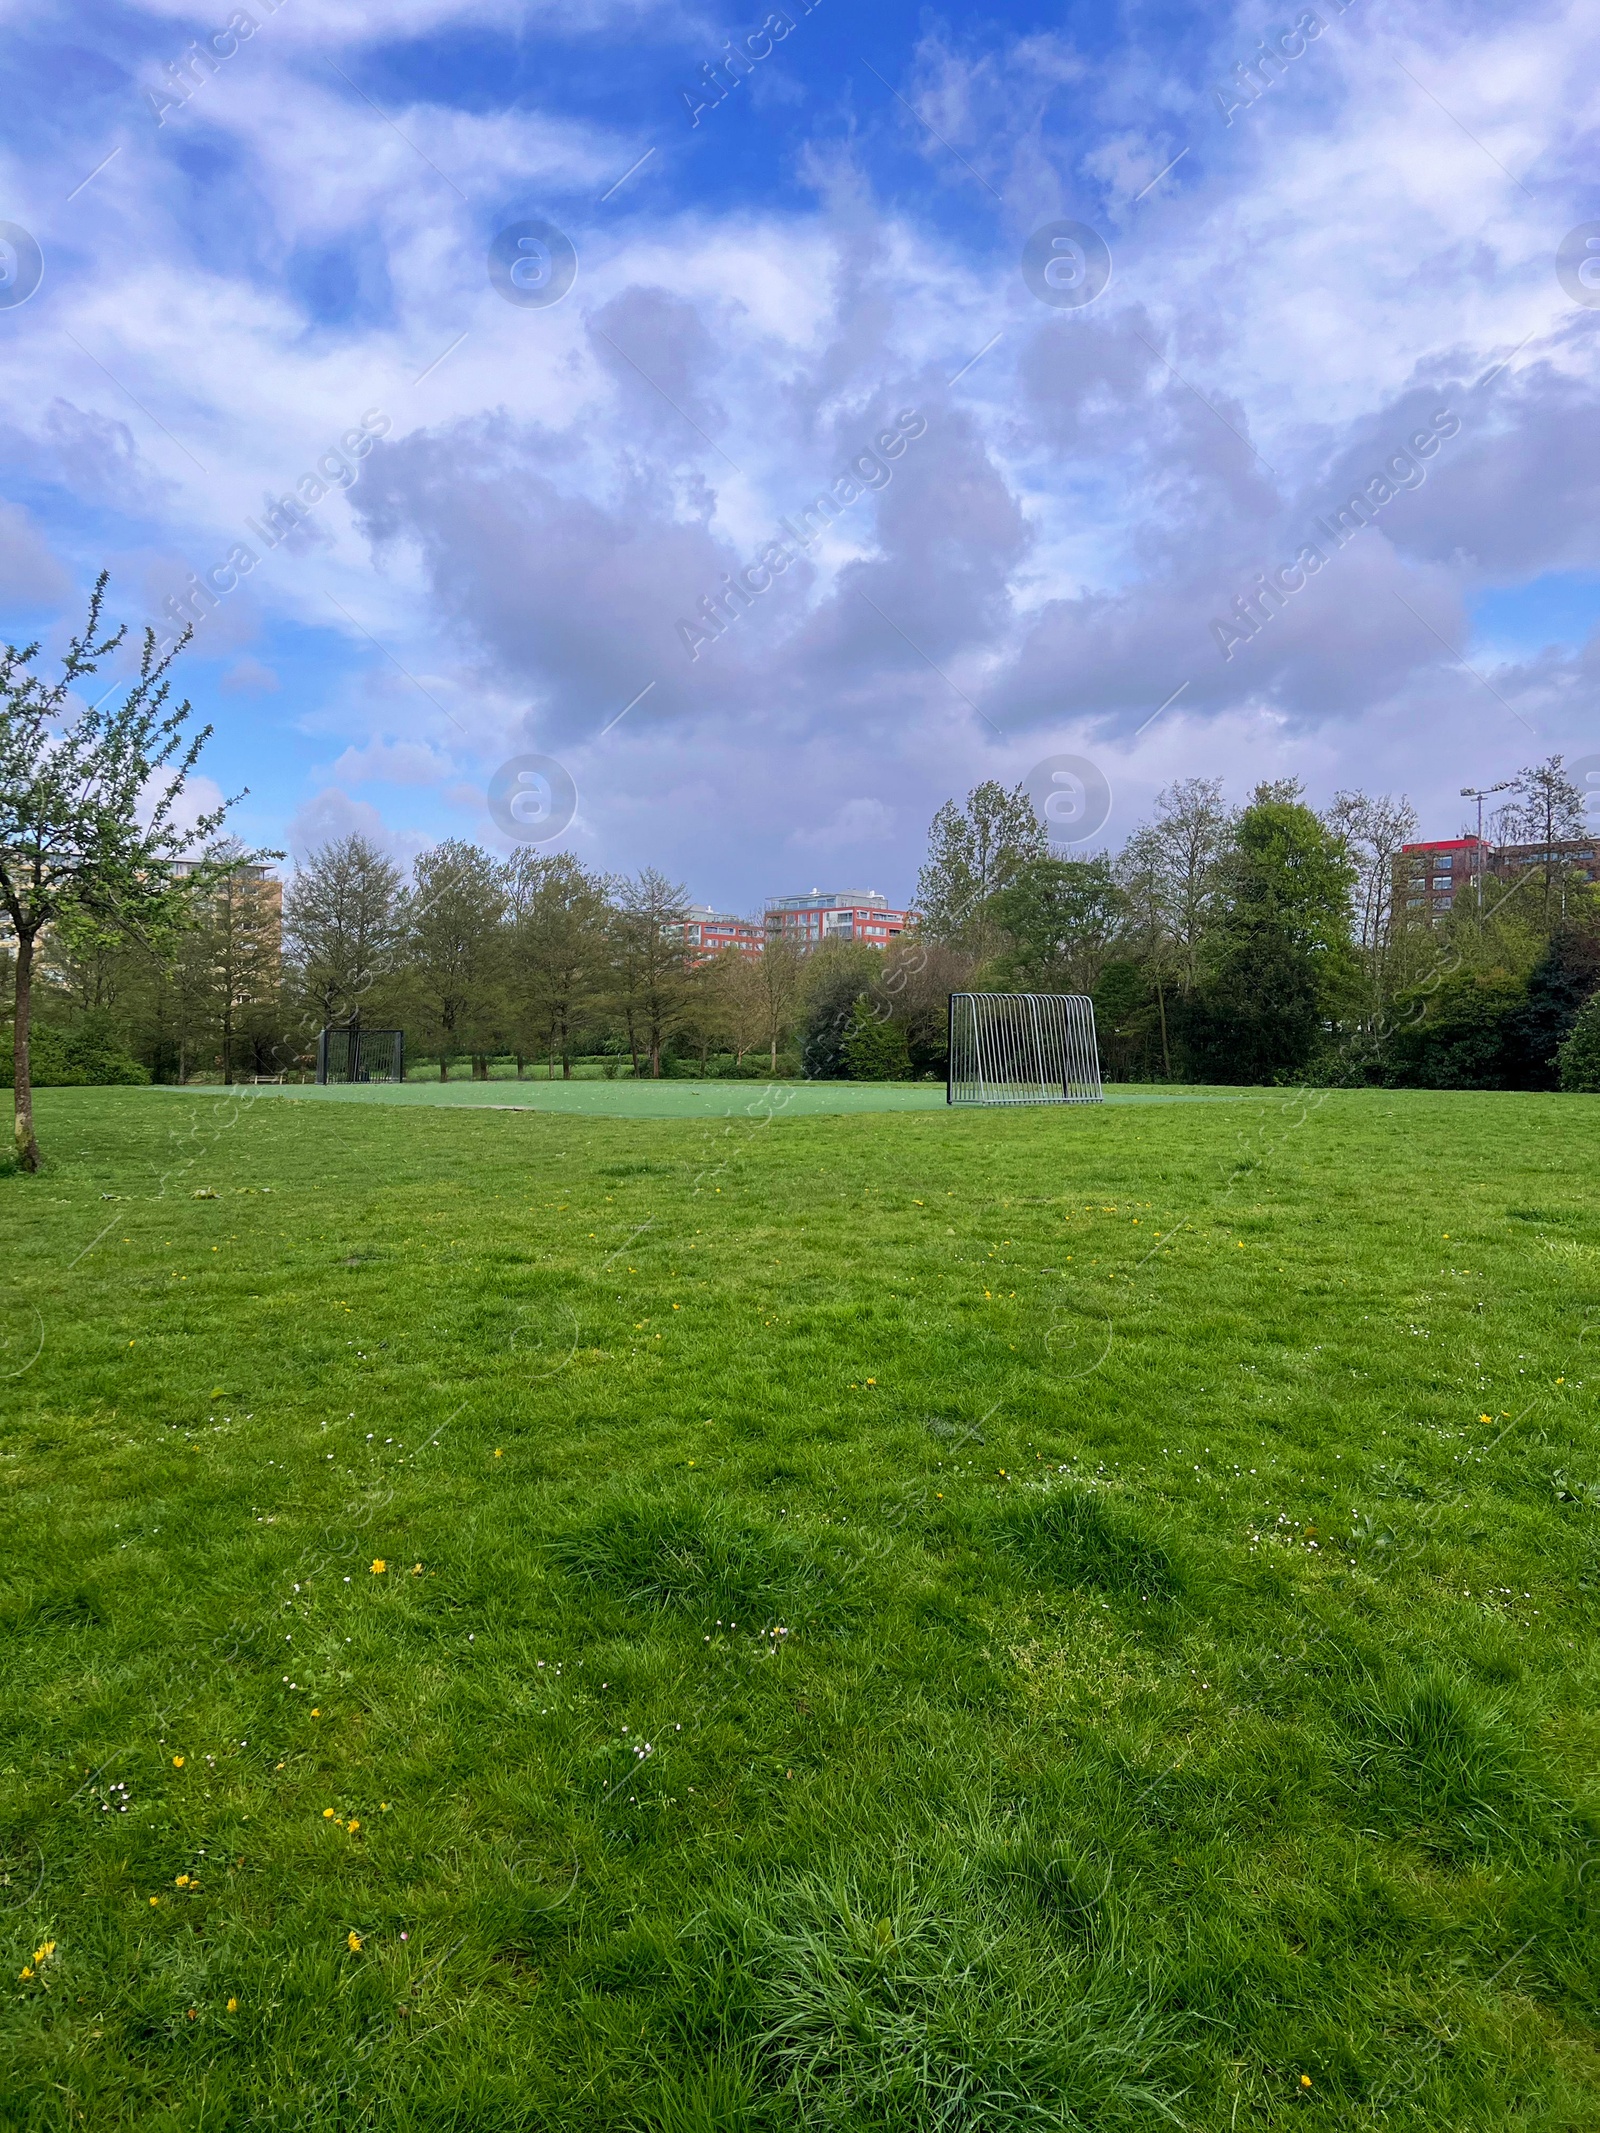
361	1055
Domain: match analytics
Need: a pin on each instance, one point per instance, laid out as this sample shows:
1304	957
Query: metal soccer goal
361	1055
1023	1048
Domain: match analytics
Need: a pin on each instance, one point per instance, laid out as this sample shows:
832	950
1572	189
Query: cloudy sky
1085	321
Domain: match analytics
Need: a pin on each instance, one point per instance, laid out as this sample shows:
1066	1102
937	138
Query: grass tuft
1072	1538
679	1550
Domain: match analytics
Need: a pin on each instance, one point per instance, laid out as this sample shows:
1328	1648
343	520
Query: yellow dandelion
177	1762
182	1882
315	1712
353	1943
327	1814
24	1972
499	1454
1305	2081
233	2007
416	1570
154	1901
379	1566
383	1807
352	1825
43	1954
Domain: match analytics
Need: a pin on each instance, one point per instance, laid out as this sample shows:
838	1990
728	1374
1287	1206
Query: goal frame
1051	1035
347	1056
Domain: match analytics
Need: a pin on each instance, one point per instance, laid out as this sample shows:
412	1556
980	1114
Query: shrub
88	1056
874	1049
1579	1057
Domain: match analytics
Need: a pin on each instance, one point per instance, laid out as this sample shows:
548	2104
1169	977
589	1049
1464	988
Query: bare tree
1374	829
651	976
1170	868
779	985
732	1004
1547	811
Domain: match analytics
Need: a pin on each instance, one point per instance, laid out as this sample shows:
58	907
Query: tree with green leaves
234	938
973	851
1579	1056
874	1046
836	975
558	914
88	799
1060	918
454	950
1279	961
341	928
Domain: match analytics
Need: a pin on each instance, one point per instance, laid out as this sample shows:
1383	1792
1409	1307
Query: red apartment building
1428	875
836	915
706	933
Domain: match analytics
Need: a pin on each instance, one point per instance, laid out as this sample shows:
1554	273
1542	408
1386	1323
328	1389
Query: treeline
532	959
1273	943
1252	944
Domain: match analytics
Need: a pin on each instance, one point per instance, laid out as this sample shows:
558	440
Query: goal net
361	1055
1023	1048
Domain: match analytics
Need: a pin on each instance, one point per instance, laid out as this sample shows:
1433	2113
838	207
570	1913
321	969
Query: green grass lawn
892	1620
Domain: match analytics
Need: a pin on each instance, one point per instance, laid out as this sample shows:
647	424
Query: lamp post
1480	793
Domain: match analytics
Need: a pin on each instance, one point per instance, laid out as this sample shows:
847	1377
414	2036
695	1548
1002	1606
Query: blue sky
1311	268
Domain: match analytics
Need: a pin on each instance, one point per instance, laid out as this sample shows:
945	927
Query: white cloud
518	551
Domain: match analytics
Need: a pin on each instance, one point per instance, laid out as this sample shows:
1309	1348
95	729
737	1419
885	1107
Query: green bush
874	1049
88	1056
1579	1057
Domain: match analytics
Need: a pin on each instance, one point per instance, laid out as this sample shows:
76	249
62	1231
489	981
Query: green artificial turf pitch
896	1620
662	1099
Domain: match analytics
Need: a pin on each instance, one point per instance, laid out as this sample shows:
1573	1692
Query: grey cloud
661	357
577	599
31	575
1519	491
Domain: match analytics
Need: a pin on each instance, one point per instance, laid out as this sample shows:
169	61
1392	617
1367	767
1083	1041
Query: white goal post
1023	1048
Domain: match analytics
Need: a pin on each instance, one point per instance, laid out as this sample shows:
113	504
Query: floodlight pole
1480	793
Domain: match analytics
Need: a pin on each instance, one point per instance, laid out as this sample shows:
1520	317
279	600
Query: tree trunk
633	1045
480	1066
27	1146
1161	1001
519	1066
444	1067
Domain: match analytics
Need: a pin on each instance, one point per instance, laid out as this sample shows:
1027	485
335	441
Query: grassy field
899	1620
